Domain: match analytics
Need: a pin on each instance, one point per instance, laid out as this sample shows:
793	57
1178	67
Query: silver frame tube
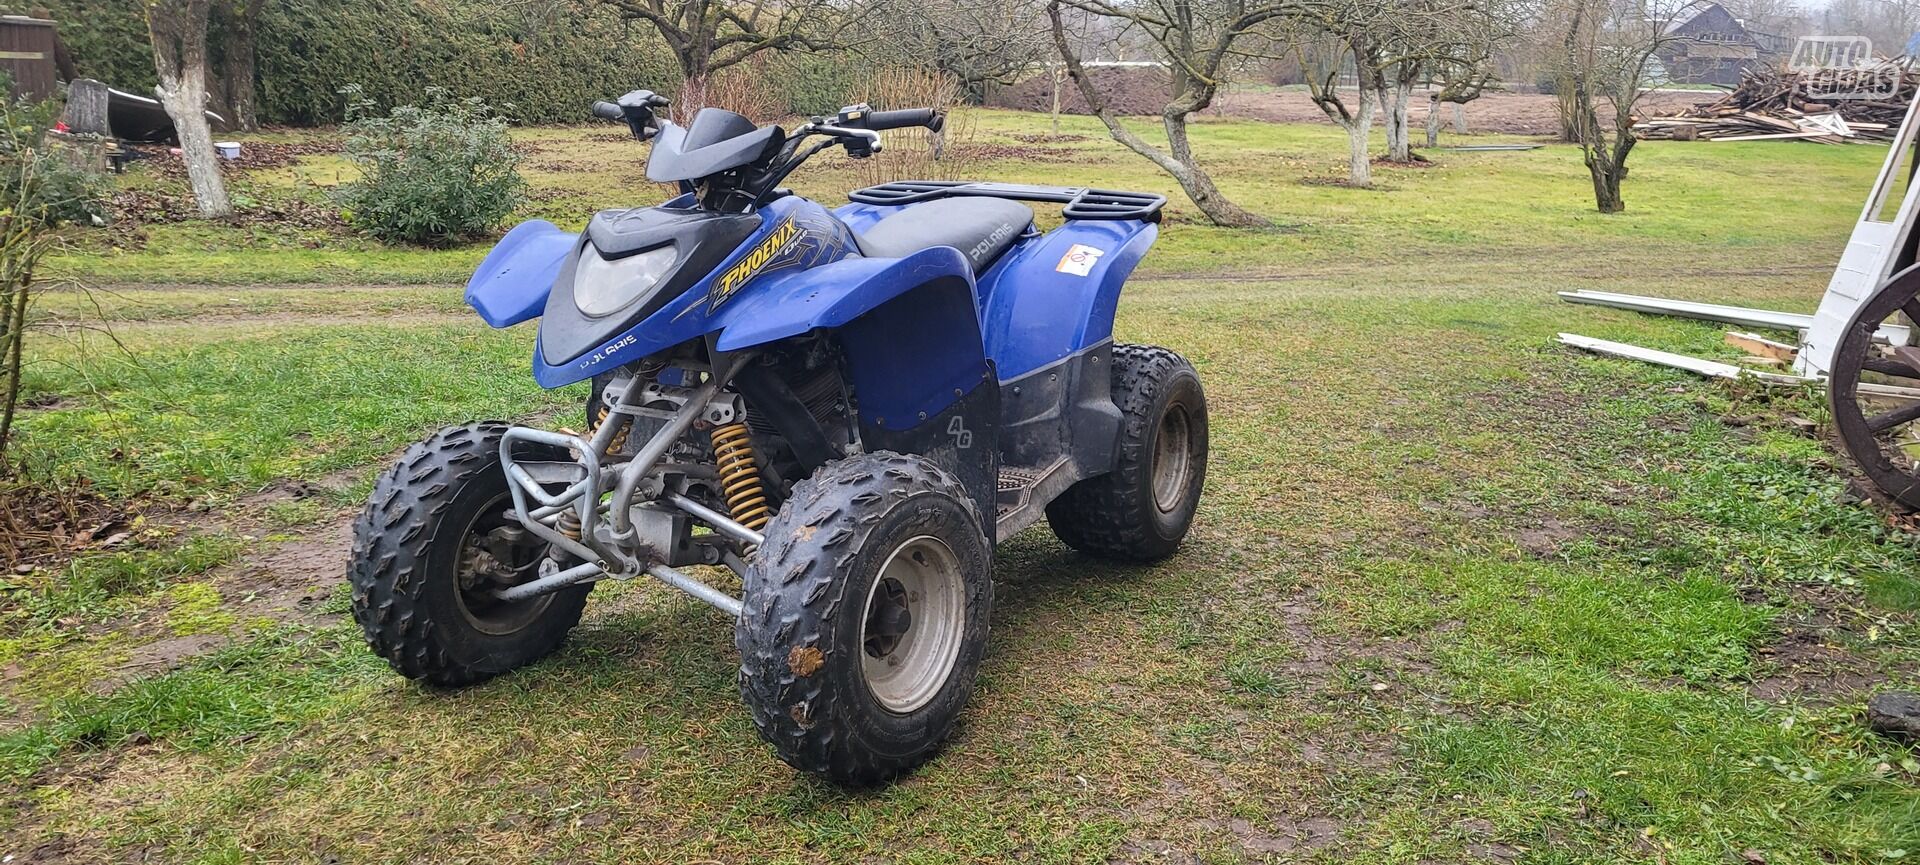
587	573
597	545
719	600
655	449
720	522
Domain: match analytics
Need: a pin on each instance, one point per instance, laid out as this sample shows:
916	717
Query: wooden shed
27	49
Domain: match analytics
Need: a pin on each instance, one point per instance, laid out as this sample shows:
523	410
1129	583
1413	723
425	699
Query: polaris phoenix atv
846	408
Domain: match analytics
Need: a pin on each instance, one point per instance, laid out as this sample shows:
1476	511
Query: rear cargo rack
1081	202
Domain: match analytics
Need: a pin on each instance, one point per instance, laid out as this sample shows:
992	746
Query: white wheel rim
906	667
1172	468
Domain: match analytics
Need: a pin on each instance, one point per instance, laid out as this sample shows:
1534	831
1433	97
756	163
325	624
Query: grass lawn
1455	593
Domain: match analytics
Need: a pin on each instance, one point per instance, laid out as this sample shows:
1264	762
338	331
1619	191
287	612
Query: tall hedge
537	62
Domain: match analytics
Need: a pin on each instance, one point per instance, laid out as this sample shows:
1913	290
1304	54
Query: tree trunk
1606	185
1177	160
1359	130
1459	118
86	112
1197	184
1399	145
241	56
1433	121
179	32
1359	160
1056	101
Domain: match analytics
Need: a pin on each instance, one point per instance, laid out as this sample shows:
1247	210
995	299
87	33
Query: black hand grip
903	118
608	111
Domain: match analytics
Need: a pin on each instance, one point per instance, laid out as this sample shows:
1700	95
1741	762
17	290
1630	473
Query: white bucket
227	149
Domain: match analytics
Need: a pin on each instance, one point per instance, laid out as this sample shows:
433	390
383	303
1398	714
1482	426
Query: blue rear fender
1055	295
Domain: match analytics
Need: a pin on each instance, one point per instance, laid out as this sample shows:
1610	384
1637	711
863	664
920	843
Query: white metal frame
1868	259
1866	263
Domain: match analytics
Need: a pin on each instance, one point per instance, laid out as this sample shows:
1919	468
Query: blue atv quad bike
846	408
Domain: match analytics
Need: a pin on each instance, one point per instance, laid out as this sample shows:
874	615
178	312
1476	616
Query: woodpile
1773	105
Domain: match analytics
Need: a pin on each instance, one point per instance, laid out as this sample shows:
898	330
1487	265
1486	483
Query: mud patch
163	655
1020	153
44	525
1510	113
1544	539
1811	660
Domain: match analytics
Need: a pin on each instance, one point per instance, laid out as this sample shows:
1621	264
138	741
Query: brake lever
870	137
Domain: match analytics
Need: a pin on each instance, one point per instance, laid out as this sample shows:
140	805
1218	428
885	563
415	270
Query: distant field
1456	593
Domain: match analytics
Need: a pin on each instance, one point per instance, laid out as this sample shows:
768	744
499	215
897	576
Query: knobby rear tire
1120	515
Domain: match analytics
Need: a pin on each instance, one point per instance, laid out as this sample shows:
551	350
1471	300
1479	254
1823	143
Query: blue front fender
513	281
832	295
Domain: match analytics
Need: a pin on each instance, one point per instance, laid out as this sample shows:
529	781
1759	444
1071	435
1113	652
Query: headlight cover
602	287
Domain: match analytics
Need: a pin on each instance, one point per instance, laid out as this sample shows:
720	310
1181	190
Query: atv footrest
1015	484
1024	492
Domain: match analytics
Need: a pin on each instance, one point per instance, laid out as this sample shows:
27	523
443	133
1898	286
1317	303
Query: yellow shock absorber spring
740	476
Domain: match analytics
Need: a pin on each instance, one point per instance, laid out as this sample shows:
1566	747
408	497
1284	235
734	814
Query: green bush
43	179
434	174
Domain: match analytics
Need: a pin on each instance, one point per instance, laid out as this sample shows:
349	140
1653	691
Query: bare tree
975	41
1606	57
1388	48
1772	17
1459	85
706	35
1463	64
179	32
1345	37
1197	39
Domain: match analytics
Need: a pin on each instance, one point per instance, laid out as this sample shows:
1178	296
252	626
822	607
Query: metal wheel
916	612
1874	391
1172	459
495	552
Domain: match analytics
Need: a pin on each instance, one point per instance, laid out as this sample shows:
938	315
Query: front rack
1081	202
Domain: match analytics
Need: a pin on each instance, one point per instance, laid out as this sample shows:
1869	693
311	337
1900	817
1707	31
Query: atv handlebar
608	111
900	119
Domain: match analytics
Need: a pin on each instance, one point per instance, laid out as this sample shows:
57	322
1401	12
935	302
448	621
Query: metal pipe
719	600
571	576
720	522
532	487
656	447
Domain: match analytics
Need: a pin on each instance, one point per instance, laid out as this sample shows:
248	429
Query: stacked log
1770	104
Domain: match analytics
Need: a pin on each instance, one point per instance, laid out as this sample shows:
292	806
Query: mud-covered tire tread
1110	515
791	599
391	542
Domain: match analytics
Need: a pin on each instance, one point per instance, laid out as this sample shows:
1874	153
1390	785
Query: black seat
981	228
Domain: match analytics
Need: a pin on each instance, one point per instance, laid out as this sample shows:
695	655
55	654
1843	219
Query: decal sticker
962	437
750	264
799	241
1080	260
607	351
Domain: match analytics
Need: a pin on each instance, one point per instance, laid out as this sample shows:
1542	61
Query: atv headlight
601	287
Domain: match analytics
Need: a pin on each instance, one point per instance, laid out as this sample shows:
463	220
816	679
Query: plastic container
227	149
